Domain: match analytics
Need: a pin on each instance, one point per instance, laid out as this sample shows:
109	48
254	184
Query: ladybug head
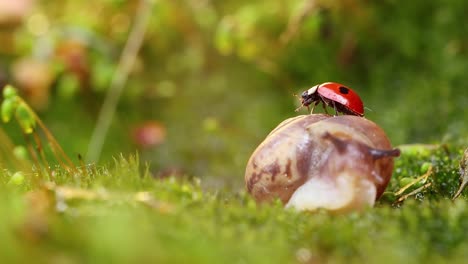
309	96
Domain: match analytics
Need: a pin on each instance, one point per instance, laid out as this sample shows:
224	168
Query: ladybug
340	97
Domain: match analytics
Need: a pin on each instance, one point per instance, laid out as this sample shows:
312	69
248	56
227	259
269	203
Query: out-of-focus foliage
218	75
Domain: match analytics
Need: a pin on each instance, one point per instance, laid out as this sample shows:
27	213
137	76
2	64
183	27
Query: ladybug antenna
297	96
299	108
367	108
302	105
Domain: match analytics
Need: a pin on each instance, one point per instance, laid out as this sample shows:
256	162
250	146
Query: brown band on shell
288	171
273	170
254	178
340	145
303	158
363	126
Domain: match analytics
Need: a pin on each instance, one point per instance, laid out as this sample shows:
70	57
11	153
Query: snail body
316	161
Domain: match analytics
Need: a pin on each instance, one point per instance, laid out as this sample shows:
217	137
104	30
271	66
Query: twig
422	177
463	174
404	197
119	78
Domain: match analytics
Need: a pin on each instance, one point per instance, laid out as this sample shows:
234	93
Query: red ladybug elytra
340	97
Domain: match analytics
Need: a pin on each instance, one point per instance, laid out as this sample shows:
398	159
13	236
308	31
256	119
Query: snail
339	163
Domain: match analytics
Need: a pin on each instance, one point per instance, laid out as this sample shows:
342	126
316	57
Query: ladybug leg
325	107
334	106
324	103
313	107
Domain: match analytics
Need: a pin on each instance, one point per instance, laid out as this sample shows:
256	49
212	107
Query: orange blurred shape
34	78
149	134
74	55
12	12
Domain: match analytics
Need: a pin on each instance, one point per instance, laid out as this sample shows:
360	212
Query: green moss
120	214
417	160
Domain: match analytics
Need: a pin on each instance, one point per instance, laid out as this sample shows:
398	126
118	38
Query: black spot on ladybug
344	90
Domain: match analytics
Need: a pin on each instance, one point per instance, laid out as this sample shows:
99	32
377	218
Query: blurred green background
214	77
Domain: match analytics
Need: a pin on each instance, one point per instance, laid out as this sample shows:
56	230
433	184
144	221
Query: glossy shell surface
296	152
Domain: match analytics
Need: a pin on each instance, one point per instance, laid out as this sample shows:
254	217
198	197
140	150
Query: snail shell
316	161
